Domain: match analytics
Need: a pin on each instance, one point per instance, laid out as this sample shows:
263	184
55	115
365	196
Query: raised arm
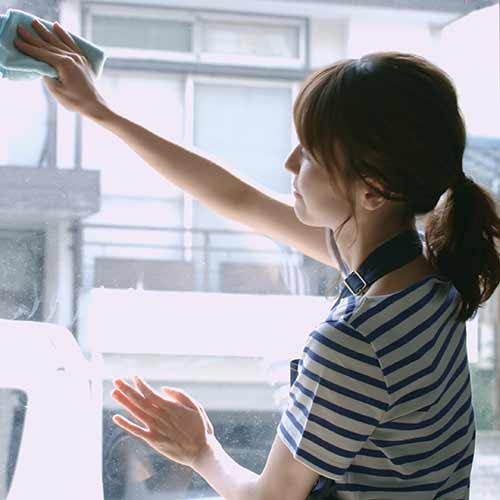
209	183
217	188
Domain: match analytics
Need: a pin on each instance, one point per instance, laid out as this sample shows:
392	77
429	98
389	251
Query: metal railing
94	246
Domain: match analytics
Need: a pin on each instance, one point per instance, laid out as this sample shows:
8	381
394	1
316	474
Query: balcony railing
191	259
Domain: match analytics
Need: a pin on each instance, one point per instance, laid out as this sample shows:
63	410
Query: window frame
198	17
189	110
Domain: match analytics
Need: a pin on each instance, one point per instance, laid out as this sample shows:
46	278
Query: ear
369	198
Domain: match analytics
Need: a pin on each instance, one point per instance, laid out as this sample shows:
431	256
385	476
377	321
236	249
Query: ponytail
461	238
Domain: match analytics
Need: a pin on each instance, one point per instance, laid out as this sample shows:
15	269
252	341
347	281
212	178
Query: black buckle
359	287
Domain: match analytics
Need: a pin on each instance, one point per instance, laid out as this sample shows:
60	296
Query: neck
355	248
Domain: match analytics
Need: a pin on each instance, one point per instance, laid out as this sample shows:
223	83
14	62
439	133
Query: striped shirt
382	400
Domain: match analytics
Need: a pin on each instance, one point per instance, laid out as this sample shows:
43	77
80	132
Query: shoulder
335	347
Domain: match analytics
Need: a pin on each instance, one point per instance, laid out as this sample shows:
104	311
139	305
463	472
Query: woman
381	403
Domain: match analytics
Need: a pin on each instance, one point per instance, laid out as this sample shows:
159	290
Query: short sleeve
337	400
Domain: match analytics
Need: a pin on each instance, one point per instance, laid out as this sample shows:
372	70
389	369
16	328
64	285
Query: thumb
52	84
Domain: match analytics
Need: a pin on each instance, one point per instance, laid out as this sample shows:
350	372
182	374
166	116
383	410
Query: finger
47	35
153	396
140	412
42	54
181	396
134	429
67	38
32	38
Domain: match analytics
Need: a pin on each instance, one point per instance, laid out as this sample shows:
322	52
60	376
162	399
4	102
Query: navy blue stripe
430	421
336	408
429	369
384	304
287	436
319	463
465	462
424	325
344	350
327	424
329	446
299	405
383	443
429	388
461	484
346	371
423	472
451	439
404	314
371	453
423	439
342	390
347	329
419	353
406	489
304	434
350	308
295	422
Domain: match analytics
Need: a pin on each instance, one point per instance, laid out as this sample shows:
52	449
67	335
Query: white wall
469	52
328	40
391	33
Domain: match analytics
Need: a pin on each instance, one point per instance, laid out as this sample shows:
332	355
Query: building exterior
92	239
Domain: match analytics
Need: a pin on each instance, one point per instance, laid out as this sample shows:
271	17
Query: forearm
206	181
227	477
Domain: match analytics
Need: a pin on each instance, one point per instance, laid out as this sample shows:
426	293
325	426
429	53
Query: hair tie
461	182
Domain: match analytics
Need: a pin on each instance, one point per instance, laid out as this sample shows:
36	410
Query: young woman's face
318	204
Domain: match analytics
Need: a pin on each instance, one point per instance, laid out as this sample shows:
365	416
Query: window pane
24	138
250	39
21	293
248	128
236	123
139	33
216	314
156	102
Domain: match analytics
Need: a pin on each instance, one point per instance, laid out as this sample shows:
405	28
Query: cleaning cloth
15	65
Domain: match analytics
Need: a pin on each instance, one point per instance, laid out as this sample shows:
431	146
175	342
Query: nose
292	163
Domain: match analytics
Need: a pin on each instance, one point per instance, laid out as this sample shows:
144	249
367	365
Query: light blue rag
15	65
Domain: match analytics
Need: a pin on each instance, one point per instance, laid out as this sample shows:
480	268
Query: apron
387	257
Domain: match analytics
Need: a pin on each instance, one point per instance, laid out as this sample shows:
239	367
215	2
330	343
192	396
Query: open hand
177	426
74	88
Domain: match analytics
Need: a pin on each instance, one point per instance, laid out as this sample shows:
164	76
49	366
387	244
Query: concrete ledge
40	195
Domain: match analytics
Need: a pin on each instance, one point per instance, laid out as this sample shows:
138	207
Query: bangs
317	114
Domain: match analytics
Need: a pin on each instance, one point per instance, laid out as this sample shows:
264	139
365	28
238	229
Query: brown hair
394	117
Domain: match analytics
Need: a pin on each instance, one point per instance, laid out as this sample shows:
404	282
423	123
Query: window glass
157	284
139	33
251	39
15	150
153	101
21	271
233	123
